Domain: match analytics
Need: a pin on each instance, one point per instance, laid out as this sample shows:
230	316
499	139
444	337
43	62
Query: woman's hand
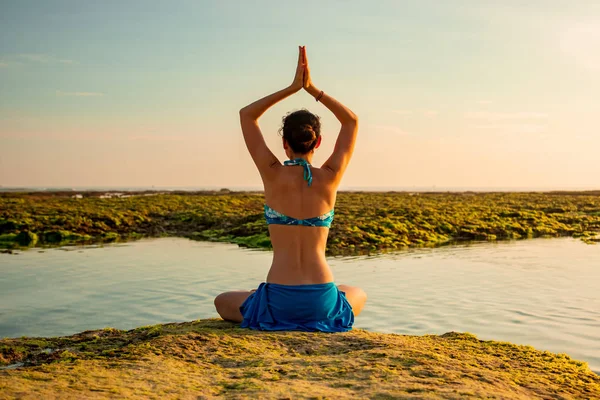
308	84
298	82
307	81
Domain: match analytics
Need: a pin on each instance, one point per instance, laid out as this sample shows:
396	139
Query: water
544	293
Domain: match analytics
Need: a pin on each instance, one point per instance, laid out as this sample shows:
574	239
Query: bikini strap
305	165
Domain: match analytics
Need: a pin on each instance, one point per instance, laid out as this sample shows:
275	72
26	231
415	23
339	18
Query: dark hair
301	129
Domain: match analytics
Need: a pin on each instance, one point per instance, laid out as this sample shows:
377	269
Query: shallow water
544	293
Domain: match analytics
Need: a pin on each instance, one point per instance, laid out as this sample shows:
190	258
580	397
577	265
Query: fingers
303	74
306	68
301	55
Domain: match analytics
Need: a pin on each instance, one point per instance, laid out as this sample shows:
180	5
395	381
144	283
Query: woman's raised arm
344	145
249	115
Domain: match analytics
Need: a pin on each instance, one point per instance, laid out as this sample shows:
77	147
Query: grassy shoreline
364	223
210	358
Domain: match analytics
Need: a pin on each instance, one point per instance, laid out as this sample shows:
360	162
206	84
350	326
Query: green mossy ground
209	358
364	222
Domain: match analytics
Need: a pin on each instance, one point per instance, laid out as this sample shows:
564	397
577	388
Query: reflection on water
544	293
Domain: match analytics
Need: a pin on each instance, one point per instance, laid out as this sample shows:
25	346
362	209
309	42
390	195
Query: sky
453	93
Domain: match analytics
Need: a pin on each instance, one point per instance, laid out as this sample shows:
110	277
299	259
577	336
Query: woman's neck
307	157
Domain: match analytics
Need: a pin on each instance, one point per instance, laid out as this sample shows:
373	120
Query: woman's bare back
299	251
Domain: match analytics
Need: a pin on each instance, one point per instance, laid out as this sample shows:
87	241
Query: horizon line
342	189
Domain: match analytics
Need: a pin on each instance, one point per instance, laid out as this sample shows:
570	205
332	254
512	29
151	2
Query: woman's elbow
352	119
246	114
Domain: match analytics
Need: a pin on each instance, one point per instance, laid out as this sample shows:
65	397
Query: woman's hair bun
304	134
301	129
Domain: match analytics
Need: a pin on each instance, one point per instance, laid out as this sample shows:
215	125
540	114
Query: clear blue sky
449	93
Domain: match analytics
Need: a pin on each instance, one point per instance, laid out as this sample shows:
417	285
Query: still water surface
544	293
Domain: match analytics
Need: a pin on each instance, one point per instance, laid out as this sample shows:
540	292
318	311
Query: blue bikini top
275	217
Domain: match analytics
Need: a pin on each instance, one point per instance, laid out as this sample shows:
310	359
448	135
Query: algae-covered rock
110	237
62	236
7	226
7	237
26	238
210	358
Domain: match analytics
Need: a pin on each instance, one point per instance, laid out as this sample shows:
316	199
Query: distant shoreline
433	190
255	189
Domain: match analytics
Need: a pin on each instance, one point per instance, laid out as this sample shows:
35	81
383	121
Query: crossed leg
355	296
228	304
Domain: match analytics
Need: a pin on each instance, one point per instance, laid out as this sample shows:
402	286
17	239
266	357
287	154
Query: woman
299	293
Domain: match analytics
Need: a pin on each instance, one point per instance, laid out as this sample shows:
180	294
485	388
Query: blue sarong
320	307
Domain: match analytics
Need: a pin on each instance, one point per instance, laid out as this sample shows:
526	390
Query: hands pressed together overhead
302	78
